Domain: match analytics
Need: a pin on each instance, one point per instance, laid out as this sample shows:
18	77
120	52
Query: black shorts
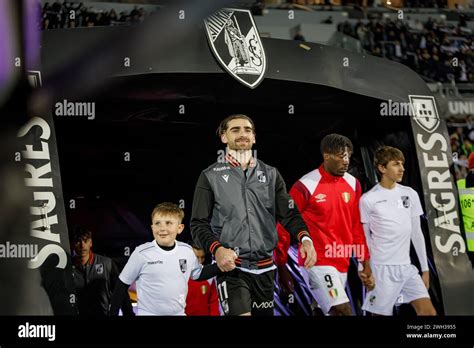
242	292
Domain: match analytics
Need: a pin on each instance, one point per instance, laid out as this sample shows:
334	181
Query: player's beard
242	145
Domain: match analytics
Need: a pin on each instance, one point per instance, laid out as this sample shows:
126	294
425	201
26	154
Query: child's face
165	229
393	170
200	254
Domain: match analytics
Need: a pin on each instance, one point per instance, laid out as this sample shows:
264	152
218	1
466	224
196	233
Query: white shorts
328	286
394	285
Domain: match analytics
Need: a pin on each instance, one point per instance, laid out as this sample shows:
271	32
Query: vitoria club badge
235	42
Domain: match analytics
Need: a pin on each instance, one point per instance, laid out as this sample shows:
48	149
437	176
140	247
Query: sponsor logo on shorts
320	198
372	300
183	264
225	306
268	304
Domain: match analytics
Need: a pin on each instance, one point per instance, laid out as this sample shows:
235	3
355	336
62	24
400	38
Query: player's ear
326	156
224	138
381	168
180	228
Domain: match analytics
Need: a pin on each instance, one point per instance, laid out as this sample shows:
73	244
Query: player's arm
361	235
126	305
129	274
418	240
290	218
206	272
358	233
203	206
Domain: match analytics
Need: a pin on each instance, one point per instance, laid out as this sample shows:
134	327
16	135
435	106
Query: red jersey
202	298
330	208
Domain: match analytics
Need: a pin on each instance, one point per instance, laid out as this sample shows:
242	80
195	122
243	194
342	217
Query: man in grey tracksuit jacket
236	204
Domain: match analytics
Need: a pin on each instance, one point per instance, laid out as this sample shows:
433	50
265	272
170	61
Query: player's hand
426	279
366	276
285	280
225	259
308	254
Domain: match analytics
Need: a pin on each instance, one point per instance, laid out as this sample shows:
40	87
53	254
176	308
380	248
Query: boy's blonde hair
385	154
168	208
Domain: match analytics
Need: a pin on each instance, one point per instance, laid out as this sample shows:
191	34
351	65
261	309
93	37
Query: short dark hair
385	154
335	143
225	123
80	232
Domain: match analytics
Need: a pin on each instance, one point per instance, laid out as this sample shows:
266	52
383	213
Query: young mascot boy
162	267
390	214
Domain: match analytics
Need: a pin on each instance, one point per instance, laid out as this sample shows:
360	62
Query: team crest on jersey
203	289
99	268
346	196
321	197
405	202
183	265
235	42
261	176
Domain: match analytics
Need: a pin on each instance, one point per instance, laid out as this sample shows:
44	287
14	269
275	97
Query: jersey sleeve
133	268
358	234
287	211
364	208
300	197
416	210
203	205
196	267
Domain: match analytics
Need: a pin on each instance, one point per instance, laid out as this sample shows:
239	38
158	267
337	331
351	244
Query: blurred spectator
327	20
72	15
299	36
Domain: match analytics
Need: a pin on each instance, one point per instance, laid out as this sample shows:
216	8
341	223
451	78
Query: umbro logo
225	177
320	198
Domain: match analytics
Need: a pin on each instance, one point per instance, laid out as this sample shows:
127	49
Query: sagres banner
454	269
48	229
235	42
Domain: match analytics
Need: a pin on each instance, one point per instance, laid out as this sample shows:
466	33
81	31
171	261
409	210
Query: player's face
83	246
200	254
165	229
239	135
394	170
338	164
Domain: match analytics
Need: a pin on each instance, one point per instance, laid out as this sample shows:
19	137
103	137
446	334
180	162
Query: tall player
235	208
328	199
390	214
